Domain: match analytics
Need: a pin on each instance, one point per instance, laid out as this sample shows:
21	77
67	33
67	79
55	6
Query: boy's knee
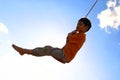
48	47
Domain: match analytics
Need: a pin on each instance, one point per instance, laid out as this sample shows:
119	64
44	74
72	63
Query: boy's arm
71	33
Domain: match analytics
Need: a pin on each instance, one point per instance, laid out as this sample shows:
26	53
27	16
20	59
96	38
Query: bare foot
19	49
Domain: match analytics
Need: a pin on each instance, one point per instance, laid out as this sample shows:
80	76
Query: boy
74	42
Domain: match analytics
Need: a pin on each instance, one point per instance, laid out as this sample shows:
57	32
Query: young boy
74	42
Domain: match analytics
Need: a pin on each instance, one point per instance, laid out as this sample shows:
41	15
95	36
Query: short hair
87	22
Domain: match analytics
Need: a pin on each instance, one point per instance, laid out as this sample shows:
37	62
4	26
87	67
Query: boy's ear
86	28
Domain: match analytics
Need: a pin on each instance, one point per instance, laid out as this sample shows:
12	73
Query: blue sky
36	23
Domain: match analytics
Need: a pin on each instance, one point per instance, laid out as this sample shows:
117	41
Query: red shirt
73	44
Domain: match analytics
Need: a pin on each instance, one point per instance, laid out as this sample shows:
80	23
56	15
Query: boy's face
81	27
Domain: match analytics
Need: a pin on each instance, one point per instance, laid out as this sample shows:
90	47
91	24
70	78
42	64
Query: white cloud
110	17
3	28
16	67
27	67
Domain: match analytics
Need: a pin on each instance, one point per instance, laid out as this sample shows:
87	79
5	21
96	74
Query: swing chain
91	8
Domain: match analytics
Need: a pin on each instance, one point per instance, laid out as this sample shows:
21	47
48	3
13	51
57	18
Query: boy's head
86	23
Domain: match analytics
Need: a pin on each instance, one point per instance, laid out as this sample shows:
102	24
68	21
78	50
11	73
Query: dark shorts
57	53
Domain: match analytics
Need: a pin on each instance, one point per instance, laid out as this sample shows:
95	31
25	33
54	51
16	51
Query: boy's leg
21	50
36	52
58	54
45	51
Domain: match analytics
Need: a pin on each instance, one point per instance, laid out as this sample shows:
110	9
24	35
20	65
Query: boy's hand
71	33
